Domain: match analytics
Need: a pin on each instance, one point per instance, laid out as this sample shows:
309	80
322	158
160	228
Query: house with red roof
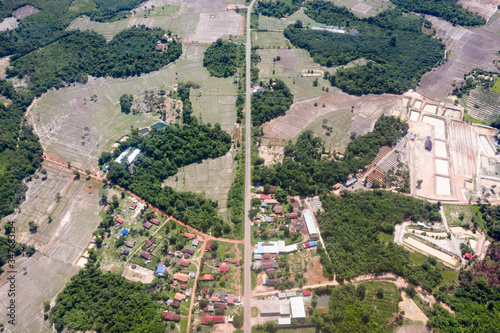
119	219
468	256
146	255
150	242
207	277
306	293
208	247
132	206
184	263
181	277
155	221
215	318
147	225
172	316
188	235
224	268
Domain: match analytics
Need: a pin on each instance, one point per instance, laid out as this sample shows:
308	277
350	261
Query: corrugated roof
311	227
297	307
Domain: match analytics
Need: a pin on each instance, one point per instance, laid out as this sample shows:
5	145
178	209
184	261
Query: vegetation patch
269	104
222	58
81	53
350	225
278	8
308	169
97	301
20	150
162	153
449	10
392	42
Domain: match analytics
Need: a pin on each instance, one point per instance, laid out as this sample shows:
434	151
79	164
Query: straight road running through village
248	245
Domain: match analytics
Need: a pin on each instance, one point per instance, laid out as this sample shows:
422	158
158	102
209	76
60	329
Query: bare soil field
60	116
59	244
431	251
314	273
412	311
11	22
485	8
212	177
139	274
367	109
470	48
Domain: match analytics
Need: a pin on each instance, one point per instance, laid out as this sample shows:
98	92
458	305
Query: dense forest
491	214
162	153
78	54
222	58
278	9
391	42
307	170
449	10
106	302
350	227
49	24
475	301
20	151
271	103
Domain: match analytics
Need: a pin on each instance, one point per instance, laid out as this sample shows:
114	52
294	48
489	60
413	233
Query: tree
238	321
77	174
315	82
419	183
33	226
380	293
98	242
375	183
222	282
114	201
58	196
126	103
49	219
46	306
361	292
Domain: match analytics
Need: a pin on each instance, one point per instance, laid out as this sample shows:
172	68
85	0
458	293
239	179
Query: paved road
248	247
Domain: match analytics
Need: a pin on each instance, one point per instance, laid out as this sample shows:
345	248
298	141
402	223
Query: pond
323	301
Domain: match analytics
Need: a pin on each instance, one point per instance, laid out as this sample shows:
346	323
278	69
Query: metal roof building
311	227
297	308
284	309
284	321
133	156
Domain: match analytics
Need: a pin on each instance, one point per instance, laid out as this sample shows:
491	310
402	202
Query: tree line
392	43
278	9
222	58
449	10
78	54
20	150
307	170
163	152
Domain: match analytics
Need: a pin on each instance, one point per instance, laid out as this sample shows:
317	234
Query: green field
496	86
417	258
289	69
377	6
272	23
452	213
269	39
340	121
384	307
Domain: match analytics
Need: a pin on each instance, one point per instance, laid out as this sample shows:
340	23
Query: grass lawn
453	212
496	86
386	306
386	238
269	39
449	277
254	280
255	312
417	258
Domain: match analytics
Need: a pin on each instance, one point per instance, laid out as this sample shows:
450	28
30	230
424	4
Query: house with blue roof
160	271
124	232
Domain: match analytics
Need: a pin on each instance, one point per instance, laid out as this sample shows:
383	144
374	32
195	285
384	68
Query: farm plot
366	111
61	117
59	244
269	39
212	177
272	23
469	49
366	8
107	29
485	8
289	68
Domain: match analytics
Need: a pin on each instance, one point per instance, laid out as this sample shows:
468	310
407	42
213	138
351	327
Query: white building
297	308
311	227
122	155
133	156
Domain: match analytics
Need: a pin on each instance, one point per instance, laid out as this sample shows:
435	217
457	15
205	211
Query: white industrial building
133	156
297	308
122	155
311	227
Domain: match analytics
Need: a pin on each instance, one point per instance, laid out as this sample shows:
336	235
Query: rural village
238	182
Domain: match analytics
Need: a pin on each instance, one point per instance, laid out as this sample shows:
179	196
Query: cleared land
212	177
59	244
485	8
304	114
60	116
430	250
469	49
366	8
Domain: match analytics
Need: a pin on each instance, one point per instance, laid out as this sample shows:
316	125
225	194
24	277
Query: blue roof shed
312	243
160	270
124	232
